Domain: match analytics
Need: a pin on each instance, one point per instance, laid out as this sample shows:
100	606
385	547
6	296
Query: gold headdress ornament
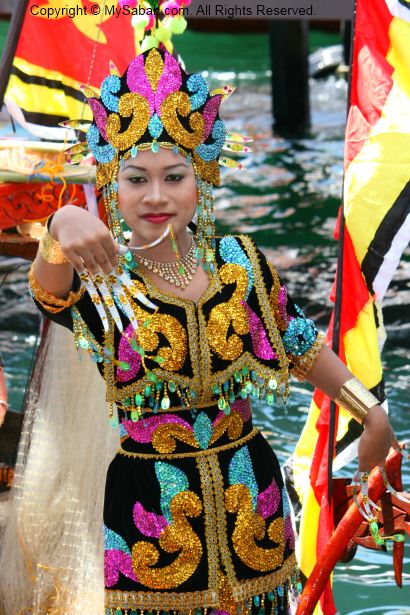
154	104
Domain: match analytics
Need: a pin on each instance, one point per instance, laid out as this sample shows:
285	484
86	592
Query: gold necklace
177	272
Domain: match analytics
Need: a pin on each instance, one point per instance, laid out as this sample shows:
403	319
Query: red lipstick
159	218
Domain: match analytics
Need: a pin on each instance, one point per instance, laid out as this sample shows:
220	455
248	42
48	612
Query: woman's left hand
376	440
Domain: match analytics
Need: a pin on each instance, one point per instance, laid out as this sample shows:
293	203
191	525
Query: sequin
210	151
148	523
269	500
261	346
112	540
285	502
155	126
129	356
165	436
231	252
170	80
203	430
229	314
154	66
210	112
109	87
282	302
179	538
117	558
243	408
172	481
102	153
143	432
241	472
100	117
299	336
129	105
231	423
197	84
178	104
137	81
250	526
116	561
288	533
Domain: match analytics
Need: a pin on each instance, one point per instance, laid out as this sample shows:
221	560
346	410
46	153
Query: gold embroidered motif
178	537
232	423
179	103
249	525
129	104
174	354
232	313
163	438
154	66
201	453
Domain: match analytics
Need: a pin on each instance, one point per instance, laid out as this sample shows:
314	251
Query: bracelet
356	399
48	301
50	248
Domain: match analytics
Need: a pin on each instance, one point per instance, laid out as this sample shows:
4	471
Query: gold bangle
51	251
49	302
356	399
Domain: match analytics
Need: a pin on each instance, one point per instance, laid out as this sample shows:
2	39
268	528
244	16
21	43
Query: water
287	198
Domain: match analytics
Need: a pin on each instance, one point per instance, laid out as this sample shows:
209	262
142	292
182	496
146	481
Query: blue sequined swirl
241	473
211	151
114	541
172	481
102	153
197	84
232	252
300	334
109	87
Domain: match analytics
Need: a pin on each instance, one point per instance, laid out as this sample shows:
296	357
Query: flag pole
16	24
339	286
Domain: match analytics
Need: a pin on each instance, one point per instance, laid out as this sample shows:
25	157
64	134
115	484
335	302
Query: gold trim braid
356	399
48	301
207	451
208	598
303	365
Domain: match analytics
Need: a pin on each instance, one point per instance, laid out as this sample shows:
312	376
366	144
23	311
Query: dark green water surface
287	198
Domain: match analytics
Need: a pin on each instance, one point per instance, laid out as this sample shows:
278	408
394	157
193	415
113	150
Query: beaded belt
208	451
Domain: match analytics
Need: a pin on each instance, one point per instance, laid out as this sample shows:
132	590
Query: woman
196	515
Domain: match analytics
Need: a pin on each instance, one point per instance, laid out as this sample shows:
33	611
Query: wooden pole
16	24
290	77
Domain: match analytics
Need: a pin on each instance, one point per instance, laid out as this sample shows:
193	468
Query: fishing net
51	553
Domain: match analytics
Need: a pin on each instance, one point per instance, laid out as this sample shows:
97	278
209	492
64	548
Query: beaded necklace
178	272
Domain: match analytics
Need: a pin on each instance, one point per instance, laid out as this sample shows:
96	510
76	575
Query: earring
111	202
205	233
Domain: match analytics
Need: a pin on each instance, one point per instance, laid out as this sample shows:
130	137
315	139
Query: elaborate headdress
154	104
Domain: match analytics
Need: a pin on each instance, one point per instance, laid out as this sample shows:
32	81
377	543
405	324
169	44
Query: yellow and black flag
376	219
61	45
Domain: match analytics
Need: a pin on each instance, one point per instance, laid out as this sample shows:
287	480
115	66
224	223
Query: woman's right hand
84	240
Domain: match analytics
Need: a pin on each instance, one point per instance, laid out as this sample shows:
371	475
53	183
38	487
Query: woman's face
154	190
